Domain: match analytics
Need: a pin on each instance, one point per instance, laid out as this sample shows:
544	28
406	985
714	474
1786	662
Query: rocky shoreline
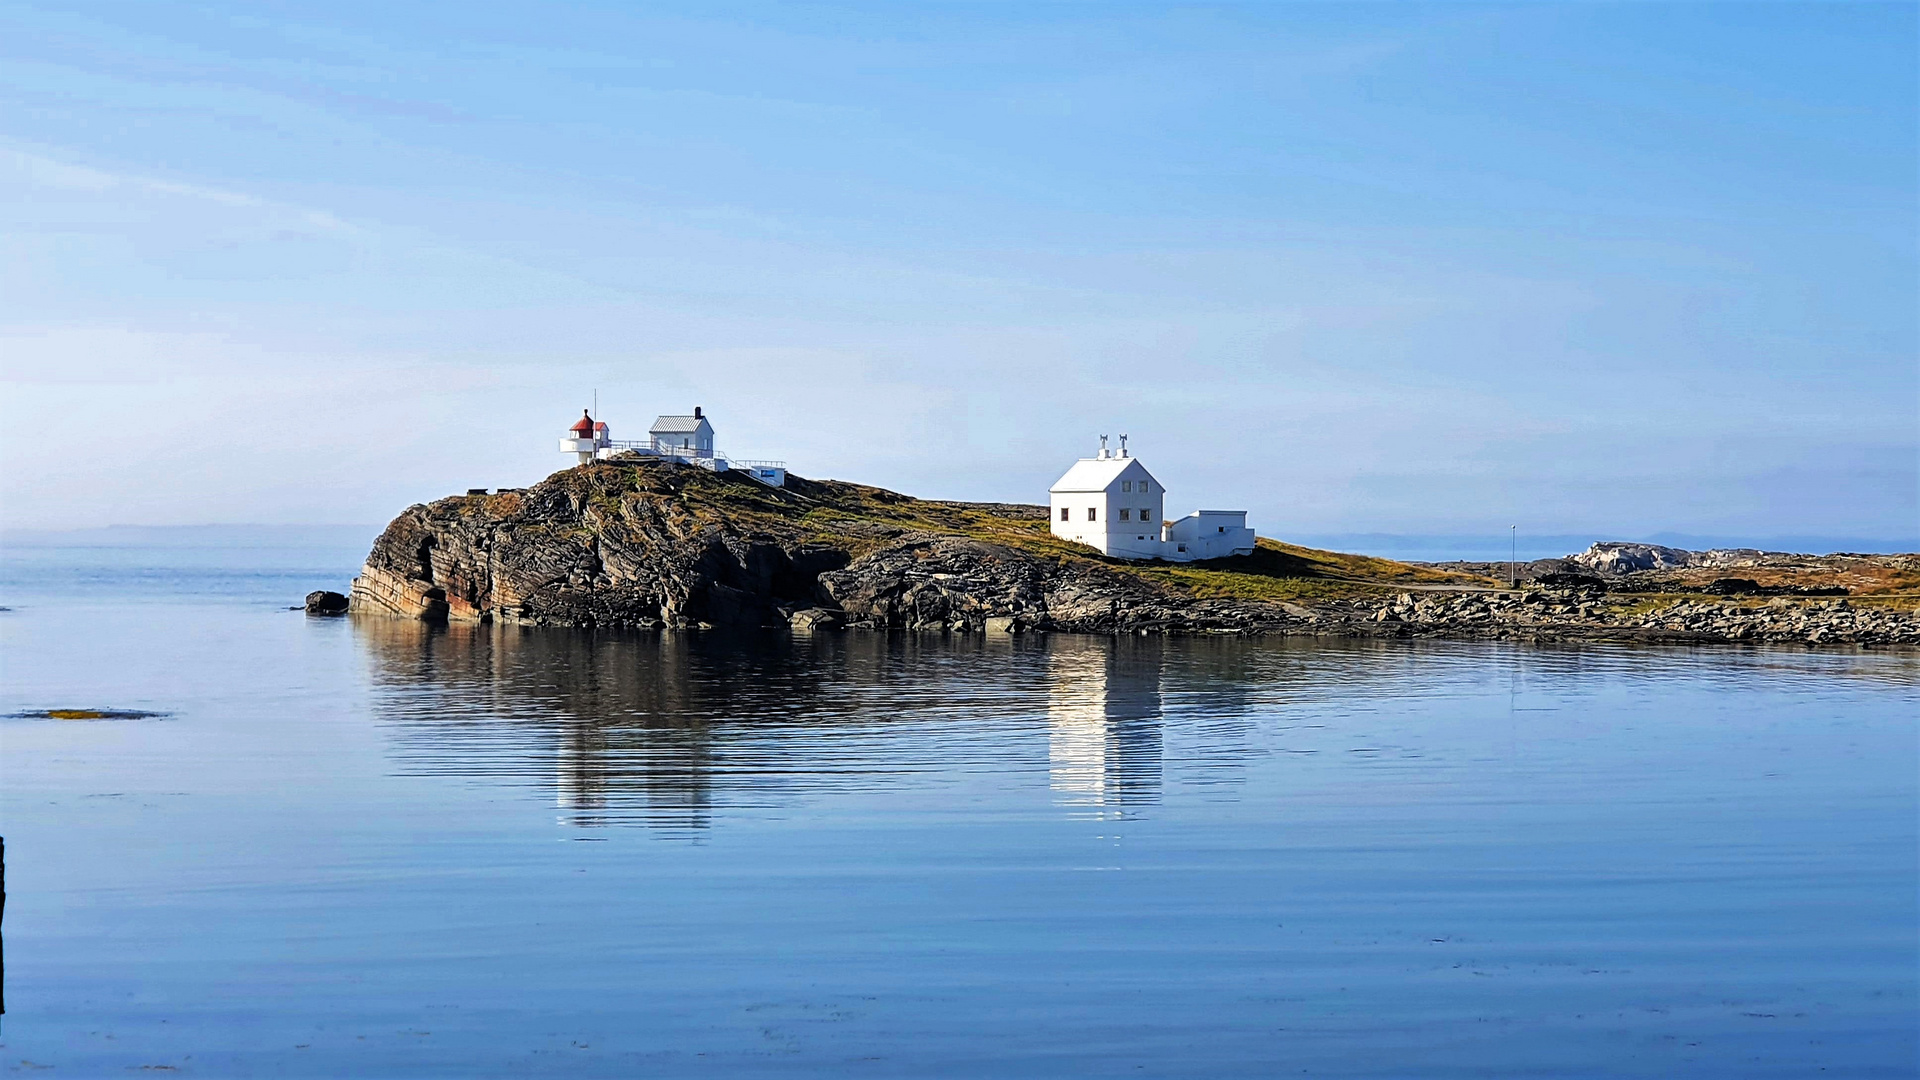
654	545
1581	615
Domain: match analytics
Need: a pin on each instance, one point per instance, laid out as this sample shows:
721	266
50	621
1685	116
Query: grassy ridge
1274	571
858	519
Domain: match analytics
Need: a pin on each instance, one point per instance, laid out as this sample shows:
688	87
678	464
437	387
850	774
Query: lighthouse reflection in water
666	731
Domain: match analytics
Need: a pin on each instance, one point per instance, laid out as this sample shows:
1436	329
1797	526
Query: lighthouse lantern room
586	438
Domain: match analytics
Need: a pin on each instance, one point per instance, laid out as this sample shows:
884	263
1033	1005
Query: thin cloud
37	170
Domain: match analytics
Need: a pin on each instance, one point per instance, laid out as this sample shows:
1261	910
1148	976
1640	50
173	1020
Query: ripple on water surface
354	849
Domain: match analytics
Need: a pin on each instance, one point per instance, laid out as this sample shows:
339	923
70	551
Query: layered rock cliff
645	543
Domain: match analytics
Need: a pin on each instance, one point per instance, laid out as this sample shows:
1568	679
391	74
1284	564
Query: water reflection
658	729
669	730
1103	723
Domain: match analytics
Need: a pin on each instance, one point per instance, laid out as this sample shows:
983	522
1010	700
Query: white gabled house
1114	505
1111	503
682	436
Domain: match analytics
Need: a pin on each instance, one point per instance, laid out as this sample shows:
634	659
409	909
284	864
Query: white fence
717	460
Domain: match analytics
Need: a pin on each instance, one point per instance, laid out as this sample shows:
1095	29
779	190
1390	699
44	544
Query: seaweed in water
86	714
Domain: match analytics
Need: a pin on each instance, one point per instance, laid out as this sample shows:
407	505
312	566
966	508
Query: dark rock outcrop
323	602
644	544
648	544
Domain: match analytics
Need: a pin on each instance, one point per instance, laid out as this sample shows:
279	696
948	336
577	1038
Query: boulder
323	602
1614	558
811	619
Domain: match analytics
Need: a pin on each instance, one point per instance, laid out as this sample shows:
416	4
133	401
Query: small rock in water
86	714
815	619
324	602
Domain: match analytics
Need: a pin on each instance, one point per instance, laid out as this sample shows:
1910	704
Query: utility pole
1513	555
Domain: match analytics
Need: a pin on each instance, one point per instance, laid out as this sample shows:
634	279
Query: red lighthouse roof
584	428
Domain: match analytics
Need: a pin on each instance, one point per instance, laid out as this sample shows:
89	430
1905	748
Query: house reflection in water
1103	716
672	731
660	776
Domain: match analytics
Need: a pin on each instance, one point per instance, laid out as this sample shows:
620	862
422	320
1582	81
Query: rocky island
646	543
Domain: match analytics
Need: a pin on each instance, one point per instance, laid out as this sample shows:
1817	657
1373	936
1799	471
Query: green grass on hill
843	515
1288	572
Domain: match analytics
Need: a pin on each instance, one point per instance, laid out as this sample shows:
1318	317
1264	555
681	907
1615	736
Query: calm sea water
370	848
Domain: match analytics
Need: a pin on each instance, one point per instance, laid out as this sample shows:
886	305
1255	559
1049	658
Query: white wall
699	441
1134	490
1077	528
1209	534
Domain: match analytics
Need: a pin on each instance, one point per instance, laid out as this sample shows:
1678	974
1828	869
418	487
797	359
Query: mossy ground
858	519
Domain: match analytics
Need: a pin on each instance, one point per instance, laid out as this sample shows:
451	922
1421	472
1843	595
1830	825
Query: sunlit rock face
656	544
606	544
1609	557
647	543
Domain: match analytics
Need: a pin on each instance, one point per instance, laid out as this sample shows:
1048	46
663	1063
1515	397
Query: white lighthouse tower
586	438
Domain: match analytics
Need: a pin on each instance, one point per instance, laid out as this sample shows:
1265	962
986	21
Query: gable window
1143	487
1126	485
1093	514
1063	513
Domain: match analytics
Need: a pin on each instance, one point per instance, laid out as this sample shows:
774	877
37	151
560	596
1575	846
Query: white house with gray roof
1113	504
682	436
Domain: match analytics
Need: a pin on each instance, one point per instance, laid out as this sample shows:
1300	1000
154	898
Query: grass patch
858	519
1280	571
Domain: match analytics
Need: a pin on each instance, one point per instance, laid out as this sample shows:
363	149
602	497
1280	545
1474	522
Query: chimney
696	412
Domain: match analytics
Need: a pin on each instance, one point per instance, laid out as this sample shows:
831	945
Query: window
1063	513
1222	528
1126	485
1125	515
1093	514
1146	513
1183	547
1143	487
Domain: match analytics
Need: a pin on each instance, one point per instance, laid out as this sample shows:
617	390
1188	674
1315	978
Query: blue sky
1619	269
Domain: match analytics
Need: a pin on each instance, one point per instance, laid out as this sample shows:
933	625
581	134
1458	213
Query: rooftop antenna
596	404
1103	447
1123	446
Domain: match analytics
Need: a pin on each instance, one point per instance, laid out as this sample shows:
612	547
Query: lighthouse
585	438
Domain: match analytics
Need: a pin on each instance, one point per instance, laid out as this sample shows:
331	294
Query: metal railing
693	456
